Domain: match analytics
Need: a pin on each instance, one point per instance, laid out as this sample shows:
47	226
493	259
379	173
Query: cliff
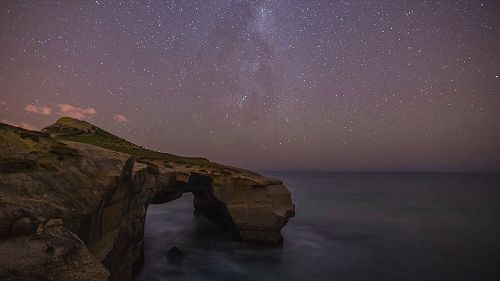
73	201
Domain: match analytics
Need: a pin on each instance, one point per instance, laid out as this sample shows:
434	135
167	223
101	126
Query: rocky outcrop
73	201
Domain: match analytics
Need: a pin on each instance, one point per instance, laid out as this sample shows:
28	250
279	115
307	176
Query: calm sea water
347	227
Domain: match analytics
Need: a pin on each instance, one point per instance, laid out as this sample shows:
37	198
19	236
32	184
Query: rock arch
75	211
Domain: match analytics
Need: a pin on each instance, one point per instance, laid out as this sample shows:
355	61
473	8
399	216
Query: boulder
175	255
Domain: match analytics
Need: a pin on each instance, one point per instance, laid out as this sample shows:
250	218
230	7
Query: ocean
348	226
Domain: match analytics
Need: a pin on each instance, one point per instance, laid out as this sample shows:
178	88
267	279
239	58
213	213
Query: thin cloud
75	111
38	109
120	118
23	125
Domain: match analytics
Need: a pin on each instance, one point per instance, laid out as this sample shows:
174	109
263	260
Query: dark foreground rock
175	255
73	201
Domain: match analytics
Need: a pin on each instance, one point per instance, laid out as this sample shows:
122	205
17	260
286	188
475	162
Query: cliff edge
73	201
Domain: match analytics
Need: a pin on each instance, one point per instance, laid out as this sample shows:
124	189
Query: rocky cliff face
73	201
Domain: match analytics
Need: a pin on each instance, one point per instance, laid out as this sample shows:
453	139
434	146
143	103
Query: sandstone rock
74	200
53	223
22	226
54	255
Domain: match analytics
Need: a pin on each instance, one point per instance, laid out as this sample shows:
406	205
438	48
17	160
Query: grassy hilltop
75	130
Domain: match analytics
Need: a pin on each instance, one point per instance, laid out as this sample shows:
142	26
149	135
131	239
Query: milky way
267	85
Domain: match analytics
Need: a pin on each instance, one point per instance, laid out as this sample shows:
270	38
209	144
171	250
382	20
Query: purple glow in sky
267	85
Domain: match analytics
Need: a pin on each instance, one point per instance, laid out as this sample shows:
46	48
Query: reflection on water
348	227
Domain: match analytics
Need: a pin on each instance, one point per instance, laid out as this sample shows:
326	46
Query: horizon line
380	172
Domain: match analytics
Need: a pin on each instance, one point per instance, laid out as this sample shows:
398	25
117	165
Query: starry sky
266	85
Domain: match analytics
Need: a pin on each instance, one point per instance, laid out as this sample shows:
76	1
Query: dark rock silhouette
175	255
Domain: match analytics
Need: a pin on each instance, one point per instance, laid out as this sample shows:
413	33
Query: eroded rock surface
73	201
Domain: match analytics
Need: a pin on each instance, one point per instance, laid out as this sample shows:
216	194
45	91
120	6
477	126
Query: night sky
266	85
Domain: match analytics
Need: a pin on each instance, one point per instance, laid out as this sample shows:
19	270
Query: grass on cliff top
80	131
